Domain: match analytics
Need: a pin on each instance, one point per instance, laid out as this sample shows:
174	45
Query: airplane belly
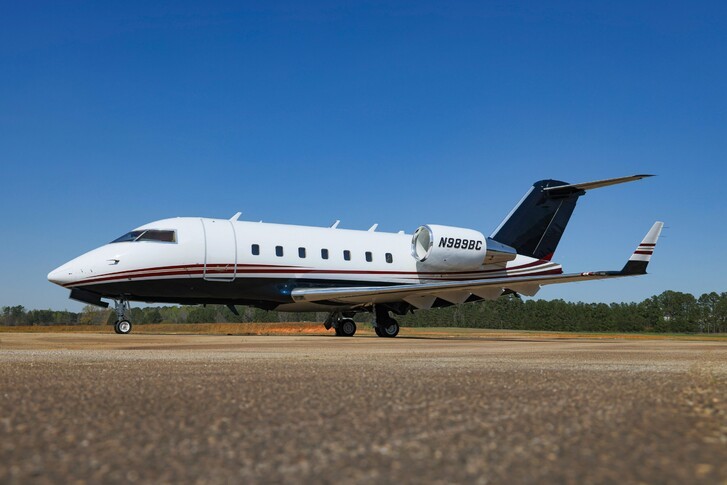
311	307
272	291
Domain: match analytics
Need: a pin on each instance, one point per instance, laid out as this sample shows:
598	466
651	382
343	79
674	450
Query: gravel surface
217	409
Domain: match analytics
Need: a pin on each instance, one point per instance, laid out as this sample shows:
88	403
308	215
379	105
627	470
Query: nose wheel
122	327
123	324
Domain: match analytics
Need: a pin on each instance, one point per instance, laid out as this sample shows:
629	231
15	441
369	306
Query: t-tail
534	227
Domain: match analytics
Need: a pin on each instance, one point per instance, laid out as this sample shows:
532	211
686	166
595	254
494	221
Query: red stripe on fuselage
243	265
229	270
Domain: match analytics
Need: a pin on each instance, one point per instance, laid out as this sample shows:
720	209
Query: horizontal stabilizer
571	188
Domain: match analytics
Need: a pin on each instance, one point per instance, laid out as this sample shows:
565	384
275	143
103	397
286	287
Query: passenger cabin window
279	251
389	258
301	252
324	253
256	250
369	256
347	255
155	235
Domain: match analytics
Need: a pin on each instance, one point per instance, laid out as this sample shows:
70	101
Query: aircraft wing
422	295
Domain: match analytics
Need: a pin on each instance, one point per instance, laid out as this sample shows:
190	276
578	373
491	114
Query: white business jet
193	260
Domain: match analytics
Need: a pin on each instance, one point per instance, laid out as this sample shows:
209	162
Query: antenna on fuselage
373	228
335	224
236	217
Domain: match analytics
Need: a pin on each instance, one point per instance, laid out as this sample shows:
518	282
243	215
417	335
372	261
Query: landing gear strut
123	313
344	326
384	325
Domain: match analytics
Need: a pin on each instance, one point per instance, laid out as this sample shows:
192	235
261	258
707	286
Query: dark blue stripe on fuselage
261	292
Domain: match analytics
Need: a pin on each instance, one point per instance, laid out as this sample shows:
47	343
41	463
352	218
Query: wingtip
639	260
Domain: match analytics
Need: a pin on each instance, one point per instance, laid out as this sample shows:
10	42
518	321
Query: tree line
671	312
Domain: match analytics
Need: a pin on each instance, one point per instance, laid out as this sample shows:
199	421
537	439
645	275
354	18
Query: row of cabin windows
324	253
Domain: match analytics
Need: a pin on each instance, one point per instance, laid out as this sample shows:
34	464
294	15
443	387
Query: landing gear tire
390	331
122	327
123	312
384	325
346	327
338	331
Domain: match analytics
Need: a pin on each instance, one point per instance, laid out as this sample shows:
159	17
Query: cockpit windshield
155	235
129	236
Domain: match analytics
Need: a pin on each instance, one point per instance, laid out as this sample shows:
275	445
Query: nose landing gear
122	327
123	312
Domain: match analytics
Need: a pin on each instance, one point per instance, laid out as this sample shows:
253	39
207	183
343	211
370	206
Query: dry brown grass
288	328
306	328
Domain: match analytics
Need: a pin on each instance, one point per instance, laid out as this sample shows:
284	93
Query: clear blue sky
114	114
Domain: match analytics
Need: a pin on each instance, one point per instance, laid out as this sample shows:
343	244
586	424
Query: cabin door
220	250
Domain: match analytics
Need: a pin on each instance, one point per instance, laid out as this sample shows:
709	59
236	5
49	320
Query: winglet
638	261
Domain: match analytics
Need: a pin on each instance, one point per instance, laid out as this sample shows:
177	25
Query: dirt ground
482	407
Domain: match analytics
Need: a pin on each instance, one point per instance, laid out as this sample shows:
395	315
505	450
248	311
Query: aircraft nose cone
60	276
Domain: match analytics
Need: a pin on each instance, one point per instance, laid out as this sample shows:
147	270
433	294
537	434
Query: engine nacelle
449	248
446	248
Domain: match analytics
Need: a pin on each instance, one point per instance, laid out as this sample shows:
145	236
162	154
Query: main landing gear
346	327
342	324
123	313
384	325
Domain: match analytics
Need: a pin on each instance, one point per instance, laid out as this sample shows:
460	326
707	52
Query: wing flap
420	301
489	293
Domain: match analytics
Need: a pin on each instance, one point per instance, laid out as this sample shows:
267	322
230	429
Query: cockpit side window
156	235
148	235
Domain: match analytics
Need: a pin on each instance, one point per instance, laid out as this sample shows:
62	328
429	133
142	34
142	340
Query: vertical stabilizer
536	224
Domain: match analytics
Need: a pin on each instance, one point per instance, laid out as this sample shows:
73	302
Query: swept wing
422	294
